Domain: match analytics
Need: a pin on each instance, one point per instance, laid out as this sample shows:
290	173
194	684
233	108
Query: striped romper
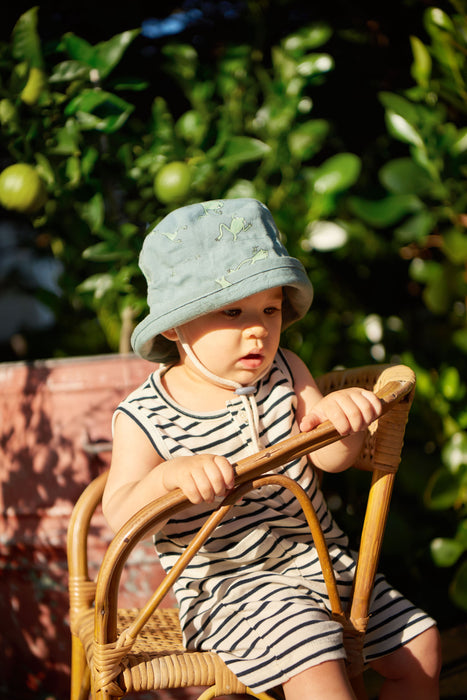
255	592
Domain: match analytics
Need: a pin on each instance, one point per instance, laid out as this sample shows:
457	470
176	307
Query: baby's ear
171	334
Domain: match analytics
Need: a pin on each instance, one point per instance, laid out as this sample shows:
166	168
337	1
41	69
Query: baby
221	288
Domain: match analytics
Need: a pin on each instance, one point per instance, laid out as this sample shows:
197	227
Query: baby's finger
342	414
373	400
310	421
367	409
197	489
227	471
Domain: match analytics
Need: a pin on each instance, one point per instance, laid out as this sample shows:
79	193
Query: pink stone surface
49	412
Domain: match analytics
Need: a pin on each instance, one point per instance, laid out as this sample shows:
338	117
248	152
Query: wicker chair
116	652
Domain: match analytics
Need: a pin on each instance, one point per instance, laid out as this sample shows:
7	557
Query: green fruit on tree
22	189
34	86
172	182
7	111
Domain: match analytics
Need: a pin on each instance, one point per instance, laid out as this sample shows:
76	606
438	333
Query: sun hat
204	256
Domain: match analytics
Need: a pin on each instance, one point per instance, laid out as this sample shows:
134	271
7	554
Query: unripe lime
22	189
7	111
34	86
172	182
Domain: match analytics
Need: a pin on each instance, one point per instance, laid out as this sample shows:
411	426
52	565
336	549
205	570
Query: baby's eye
270	310
231	313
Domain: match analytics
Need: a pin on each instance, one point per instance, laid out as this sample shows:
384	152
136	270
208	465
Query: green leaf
450	384
73	171
163	121
182	61
307	38
438	281
445	551
459	338
435	19
134	84
400	106
93	212
404	176
26	45
315	64
423	270
100	110
401	129
88	160
242	188
442	490
66	139
421	66
305	140
102	57
104	252
109	53
46	169
387	211
459	145
454	452
458	587
320	205
416	227
78	49
128	230
455	246
242	149
67	71
99	284
338	173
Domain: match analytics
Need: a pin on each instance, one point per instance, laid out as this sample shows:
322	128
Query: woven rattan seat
116	652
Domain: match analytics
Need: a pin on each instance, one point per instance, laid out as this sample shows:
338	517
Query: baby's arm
350	411
138	474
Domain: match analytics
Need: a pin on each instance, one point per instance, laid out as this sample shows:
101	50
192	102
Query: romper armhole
284	366
148	429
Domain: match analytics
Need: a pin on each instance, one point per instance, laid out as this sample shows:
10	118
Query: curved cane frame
108	654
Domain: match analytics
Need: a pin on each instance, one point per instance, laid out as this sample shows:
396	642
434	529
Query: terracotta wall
49	413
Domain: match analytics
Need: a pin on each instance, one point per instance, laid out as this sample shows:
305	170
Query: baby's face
239	341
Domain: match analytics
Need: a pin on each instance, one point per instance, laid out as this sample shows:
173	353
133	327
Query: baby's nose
255	330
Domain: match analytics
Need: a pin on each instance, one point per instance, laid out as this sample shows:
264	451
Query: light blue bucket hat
204	256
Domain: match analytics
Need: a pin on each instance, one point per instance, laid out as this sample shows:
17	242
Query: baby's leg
327	680
413	670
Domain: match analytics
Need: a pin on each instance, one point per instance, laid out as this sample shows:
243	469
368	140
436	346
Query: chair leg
358	687
85	684
80	676
208	694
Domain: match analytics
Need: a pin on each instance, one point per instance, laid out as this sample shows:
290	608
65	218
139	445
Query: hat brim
287	272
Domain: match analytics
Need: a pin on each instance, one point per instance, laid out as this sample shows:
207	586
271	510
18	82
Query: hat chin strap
247	393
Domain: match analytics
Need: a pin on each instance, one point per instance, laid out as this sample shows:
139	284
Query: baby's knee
424	654
428	651
419	658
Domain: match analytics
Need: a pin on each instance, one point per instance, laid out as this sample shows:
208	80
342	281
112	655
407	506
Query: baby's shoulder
292	363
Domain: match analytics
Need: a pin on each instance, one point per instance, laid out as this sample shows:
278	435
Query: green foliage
386	250
424	202
73	133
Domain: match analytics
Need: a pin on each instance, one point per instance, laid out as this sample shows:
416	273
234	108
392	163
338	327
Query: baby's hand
349	410
200	477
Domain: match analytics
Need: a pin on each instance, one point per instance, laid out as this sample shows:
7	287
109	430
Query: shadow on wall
49	412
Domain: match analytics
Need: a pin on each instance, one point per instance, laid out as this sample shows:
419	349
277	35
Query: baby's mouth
253	358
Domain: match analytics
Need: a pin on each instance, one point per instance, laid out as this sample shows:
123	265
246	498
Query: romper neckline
201	415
